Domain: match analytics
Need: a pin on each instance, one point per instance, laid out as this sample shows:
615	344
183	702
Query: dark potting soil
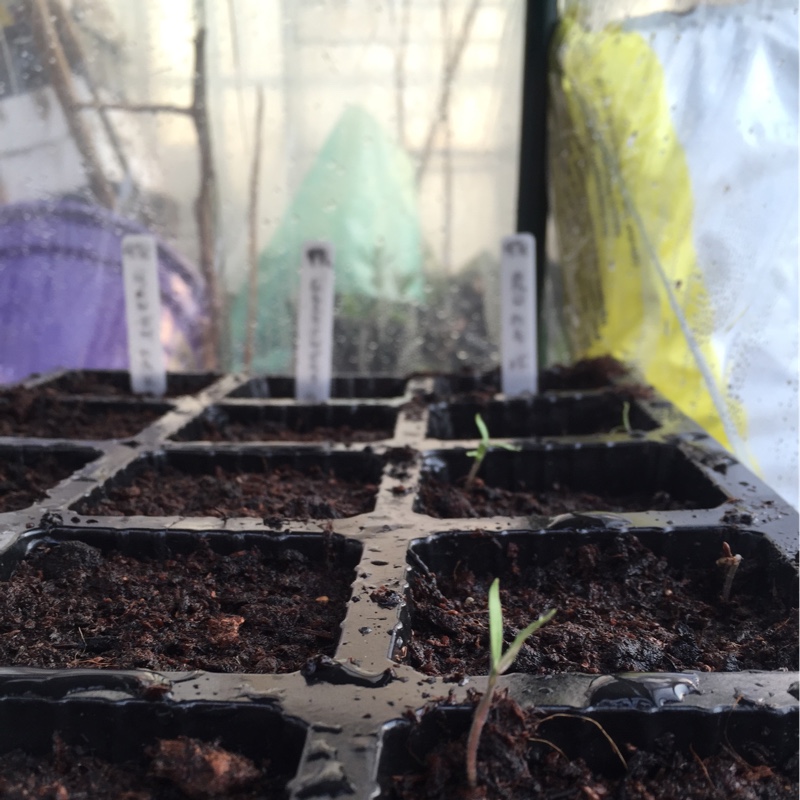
232	431
584	375
281	491
620	608
113	385
40	412
452	501
515	762
173	769
68	605
24	483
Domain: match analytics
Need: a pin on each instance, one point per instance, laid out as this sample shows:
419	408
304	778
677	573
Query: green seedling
483	448
501	662
626	420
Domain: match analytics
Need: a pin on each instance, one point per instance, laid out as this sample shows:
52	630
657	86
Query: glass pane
390	129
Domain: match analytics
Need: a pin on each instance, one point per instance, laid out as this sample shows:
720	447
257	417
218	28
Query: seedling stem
729	563
483	448
501	662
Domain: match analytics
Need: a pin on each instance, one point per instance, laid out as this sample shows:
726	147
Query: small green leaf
514	447
495	623
473	453
482	427
510	655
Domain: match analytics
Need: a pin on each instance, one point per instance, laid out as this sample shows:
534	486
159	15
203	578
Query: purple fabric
61	292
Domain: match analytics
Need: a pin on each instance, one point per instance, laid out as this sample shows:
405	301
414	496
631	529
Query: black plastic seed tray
377	611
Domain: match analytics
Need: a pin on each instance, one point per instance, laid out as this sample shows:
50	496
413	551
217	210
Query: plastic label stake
315	324
518	299
143	315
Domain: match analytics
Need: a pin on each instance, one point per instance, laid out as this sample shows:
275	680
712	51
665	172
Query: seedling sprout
483	448
729	563
501	662
626	426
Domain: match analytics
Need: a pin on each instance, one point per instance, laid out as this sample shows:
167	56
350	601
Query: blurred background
390	128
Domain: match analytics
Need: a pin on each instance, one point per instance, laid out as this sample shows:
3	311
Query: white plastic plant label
518	302
315	324
143	315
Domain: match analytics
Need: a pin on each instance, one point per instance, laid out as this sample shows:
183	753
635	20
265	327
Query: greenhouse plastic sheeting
359	195
675	188
61	292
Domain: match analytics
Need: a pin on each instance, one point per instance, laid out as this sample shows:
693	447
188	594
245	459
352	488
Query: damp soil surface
279	492
515	762
233	431
172	769
619	608
41	412
68	605
453	501
115	385
23	483
587	374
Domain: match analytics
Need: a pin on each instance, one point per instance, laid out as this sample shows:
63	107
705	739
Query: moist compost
23	483
515	762
41	412
173	769
115	385
278	492
452	501
264	431
585	375
620	608
68	605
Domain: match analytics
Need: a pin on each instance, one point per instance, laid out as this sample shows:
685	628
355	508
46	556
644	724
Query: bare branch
137	108
206	199
252	295
60	76
448	77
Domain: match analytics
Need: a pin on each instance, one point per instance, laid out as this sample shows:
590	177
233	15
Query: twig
703	767
549	744
137	108
447	151
58	70
448	76
204	205
237	66
252	296
400	72
65	28
597	725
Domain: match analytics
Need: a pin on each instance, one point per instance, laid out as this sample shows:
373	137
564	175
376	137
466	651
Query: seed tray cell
117	383
557	755
173	601
291	423
41	413
543	415
85	733
629	476
280	483
643	601
585	375
342	387
28	473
